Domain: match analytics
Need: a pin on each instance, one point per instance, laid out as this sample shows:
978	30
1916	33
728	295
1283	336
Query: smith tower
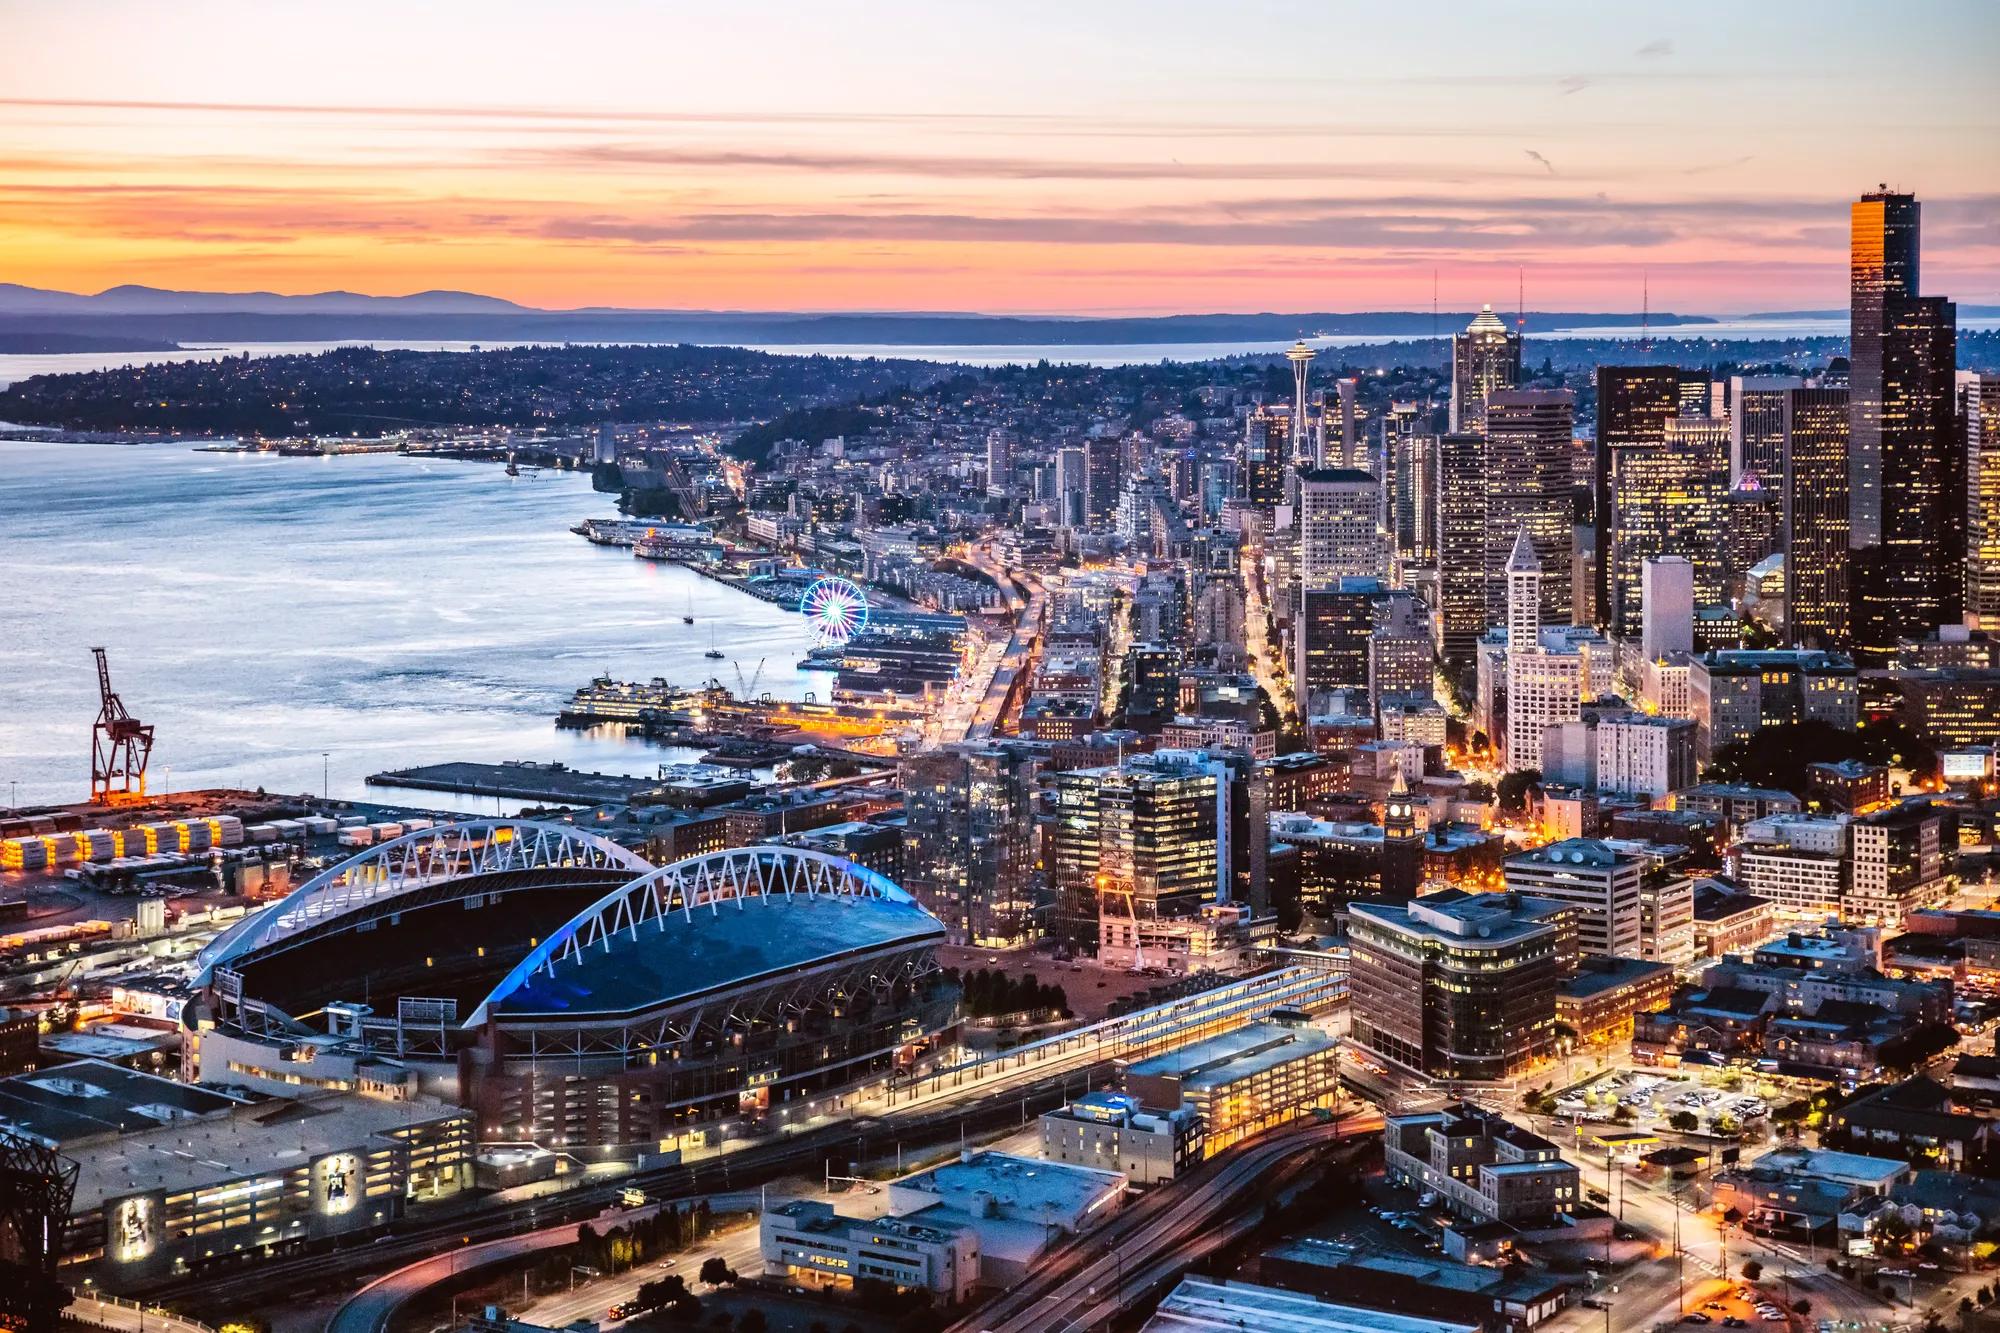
1902	451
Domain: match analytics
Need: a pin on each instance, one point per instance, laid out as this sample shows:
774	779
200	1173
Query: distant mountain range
154	313
134	300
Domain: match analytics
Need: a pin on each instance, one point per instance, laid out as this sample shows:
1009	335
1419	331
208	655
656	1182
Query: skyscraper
1905	526
1340	527
968	852
1072	486
1634	404
1150	835
1265	456
1667	499
1979	397
1104	466
1757	425
1460	506
1484	358
1527	476
1814	527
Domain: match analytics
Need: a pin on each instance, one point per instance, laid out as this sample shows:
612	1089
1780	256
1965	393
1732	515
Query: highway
373	1307
1090	1280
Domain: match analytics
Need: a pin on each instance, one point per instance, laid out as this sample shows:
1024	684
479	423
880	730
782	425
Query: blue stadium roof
675	958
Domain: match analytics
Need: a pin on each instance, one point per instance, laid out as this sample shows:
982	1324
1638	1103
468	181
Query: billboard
135	1230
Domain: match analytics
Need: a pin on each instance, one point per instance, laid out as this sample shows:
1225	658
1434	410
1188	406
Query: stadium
573	995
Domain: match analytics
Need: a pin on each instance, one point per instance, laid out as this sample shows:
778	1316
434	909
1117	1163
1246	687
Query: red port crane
120	745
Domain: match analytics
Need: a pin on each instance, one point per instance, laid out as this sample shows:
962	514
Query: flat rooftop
1201	1305
64	1103
674	957
1234	1055
1022	1188
253	1139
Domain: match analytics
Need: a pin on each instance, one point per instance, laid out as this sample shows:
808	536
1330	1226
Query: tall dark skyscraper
1528	433
1460	506
1667	500
1905	491
1634	404
1814	525
1486	357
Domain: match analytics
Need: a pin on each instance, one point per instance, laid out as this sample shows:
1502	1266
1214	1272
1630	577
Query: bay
388	611
17	367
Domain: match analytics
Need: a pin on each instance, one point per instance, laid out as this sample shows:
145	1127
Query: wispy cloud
1537	157
1658	48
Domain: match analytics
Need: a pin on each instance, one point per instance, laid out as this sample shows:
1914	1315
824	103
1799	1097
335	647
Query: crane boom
120	745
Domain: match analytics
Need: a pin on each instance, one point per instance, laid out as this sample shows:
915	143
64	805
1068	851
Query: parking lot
1653	1100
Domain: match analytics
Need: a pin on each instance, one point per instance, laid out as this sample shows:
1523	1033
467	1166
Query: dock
522	781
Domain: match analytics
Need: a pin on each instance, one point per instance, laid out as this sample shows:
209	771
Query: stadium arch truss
694	895
407	866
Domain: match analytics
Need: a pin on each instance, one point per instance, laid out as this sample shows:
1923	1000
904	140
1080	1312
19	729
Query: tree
1684	1121
662	1292
686	1310
1801	1306
716	1272
1514	787
752	1321
1752	1270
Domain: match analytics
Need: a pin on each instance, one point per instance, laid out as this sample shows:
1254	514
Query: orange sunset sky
1076	157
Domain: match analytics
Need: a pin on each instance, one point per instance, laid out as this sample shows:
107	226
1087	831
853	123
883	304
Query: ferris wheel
836	609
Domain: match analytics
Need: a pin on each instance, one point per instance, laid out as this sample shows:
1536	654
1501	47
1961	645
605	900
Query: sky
1086	157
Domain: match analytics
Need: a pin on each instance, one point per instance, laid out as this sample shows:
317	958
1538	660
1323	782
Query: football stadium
572	995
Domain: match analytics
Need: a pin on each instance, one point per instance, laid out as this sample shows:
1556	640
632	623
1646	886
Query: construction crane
120	745
745	689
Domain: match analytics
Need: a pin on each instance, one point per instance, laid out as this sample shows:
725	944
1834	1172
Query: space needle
1301	357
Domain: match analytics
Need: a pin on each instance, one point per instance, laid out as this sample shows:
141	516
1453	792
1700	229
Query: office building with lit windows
1528	447
1485	358
1145	839
1905	530
1457	985
1734	692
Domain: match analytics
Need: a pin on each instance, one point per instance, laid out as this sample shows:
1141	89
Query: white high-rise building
1550	671
1666	616
1645	756
1340	527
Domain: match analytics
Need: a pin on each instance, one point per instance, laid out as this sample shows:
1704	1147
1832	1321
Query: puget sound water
385	611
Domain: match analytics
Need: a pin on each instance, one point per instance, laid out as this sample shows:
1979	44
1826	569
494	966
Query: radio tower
120	745
1301	357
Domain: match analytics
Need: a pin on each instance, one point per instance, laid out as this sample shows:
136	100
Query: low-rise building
1602	1000
1204	1305
1018	1207
1482	1166
1497	1300
1112	1131
173	1179
808	1243
1243	1082
1728	918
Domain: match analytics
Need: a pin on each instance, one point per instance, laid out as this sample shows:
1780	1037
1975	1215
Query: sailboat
688	619
714	653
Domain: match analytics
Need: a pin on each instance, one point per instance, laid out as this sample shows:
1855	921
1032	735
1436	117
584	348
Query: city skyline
1108	161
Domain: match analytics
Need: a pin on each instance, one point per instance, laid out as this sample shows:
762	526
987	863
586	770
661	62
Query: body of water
975	354
387	611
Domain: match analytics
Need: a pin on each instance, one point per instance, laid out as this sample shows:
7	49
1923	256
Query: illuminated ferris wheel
836	609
